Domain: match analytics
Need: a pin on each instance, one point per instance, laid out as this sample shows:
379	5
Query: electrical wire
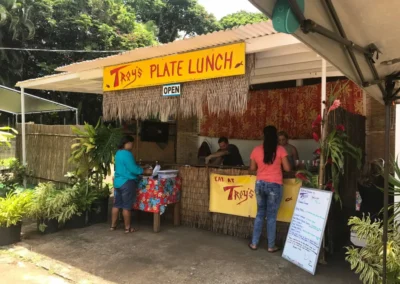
61	50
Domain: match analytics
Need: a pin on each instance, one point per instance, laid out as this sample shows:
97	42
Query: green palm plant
95	148
368	261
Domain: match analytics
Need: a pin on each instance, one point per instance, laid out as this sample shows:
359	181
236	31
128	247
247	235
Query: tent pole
23	126
323	106
323	87
76	117
23	131
386	187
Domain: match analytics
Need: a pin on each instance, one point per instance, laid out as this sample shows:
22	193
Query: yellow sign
235	195
210	63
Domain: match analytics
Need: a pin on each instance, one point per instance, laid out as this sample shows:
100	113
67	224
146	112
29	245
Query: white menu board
306	230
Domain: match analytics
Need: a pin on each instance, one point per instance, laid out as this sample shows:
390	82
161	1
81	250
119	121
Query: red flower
334	105
301	176
329	186
315	136
318	151
340	127
329	161
317	122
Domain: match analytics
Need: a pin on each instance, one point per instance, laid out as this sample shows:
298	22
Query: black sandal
252	247
275	249
130	230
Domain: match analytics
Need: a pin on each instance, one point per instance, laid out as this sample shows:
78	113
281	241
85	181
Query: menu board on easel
306	231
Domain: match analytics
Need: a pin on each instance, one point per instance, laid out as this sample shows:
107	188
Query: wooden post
177	214
156	222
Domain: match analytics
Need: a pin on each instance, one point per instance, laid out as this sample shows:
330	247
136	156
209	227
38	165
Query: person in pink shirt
268	160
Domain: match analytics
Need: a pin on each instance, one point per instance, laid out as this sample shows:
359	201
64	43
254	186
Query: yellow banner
210	63
235	195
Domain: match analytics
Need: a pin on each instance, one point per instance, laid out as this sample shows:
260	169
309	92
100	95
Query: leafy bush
82	196
5	163
14	177
52	203
6	135
95	148
368	261
14	207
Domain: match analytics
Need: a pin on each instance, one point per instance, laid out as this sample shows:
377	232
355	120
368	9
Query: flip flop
130	230
275	249
252	247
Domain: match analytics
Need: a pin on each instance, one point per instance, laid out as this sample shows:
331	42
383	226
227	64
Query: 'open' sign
171	90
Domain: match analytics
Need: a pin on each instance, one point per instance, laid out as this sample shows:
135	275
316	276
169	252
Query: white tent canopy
365	22
11	103
20	103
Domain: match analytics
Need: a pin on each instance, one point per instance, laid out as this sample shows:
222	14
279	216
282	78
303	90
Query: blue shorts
125	196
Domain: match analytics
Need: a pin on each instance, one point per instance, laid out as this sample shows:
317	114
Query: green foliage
173	17
95	148
52	203
14	177
15	14
368	261
14	207
6	135
336	147
395	182
241	18
333	148
307	178
6	163
61	204
83	197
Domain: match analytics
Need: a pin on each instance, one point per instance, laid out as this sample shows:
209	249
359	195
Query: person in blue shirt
125	183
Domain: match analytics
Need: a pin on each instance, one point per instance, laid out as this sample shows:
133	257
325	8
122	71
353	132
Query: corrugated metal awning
279	57
243	33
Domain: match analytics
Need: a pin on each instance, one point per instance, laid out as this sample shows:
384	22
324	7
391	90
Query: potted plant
13	208
99	209
52	207
82	199
92	154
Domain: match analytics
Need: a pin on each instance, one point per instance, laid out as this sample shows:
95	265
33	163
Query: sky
222	8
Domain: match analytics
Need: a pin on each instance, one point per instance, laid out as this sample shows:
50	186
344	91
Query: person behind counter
291	150
125	183
268	160
229	154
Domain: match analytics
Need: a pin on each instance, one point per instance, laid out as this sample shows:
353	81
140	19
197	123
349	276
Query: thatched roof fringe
228	94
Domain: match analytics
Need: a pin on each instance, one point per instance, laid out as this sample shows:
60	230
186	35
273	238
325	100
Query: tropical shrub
333	148
14	207
95	148
52	203
368	261
6	134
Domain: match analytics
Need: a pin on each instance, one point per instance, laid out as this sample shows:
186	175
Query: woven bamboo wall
195	205
48	148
